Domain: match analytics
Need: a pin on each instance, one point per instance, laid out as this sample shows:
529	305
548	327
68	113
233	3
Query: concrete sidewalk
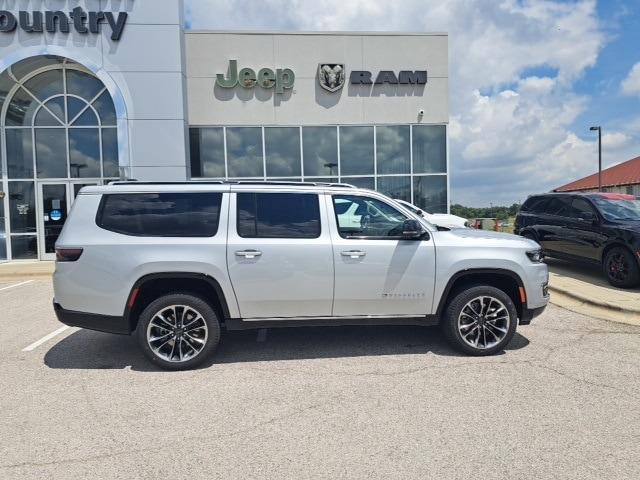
26	269
584	289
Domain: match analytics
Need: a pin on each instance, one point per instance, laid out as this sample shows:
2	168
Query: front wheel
621	268
178	331
480	320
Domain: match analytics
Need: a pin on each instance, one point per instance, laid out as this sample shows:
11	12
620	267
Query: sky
527	79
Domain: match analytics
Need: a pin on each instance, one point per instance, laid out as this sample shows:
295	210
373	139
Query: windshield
627	209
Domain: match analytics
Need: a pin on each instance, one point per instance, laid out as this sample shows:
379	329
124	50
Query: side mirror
588	217
412	230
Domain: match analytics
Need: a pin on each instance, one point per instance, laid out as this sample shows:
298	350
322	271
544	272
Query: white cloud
511	130
631	84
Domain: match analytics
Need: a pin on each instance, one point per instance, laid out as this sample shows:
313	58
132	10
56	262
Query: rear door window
559	206
278	215
189	214
535	204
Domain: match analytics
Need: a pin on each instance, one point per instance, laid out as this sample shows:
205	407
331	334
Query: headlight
535	256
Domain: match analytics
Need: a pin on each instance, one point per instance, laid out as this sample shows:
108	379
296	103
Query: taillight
68	254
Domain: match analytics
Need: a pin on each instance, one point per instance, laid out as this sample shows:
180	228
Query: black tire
202	334
530	236
460	301
621	268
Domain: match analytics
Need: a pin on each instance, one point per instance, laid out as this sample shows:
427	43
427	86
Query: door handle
248	253
353	253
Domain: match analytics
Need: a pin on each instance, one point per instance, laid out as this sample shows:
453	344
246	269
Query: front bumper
92	321
529	314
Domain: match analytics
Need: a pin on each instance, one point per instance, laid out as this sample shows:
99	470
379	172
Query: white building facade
97	90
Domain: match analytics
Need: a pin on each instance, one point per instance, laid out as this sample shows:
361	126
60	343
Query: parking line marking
44	339
262	335
16	285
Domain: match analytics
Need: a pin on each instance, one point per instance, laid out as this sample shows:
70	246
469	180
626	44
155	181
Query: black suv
602	228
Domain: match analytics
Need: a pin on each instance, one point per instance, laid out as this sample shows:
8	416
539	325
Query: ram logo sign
331	76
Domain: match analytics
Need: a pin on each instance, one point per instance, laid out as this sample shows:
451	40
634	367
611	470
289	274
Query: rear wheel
621	268
178	331
480	320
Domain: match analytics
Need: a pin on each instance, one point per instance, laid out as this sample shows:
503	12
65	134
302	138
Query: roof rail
234	182
137	182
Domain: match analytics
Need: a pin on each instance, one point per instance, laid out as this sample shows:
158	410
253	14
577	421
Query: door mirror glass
412	230
588	216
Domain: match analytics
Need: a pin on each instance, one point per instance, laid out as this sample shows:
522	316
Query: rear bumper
529	314
92	321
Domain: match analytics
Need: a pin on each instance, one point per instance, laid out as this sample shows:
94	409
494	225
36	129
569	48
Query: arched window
58	133
59	121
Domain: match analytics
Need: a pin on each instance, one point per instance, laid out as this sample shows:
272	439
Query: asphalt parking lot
374	402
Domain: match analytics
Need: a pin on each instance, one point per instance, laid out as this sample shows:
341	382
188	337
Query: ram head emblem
331	76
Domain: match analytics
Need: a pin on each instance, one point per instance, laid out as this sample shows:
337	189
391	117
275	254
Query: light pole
599	130
330	166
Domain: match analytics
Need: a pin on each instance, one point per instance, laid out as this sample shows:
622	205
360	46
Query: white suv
176	262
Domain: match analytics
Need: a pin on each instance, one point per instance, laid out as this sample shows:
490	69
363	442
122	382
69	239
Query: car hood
632	225
474	236
445	220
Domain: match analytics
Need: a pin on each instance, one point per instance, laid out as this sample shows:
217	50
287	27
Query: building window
396	187
407	162
320	151
244	152
59	124
207	152
282	151
430	193
429	149
356	151
393	150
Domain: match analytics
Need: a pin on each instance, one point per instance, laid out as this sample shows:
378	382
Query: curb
591	301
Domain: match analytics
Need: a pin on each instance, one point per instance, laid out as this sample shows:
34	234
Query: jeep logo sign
280	79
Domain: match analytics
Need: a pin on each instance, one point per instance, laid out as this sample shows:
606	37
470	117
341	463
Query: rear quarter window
192	214
534	204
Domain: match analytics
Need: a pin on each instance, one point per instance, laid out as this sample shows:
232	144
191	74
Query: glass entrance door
54	207
54	204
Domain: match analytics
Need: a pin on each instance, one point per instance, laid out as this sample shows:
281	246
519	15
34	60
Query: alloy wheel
617	267
177	333
483	322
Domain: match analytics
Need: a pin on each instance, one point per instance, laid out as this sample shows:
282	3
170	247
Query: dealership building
97	90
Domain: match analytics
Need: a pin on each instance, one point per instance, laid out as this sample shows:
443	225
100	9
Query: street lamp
599	130
330	166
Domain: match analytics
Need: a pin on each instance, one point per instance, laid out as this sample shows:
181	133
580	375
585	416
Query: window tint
558	206
366	217
161	214
535	204
282	151
320	150
580	207
278	215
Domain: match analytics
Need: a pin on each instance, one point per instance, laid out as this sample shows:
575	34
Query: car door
377	273
552	228
279	255
585	238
